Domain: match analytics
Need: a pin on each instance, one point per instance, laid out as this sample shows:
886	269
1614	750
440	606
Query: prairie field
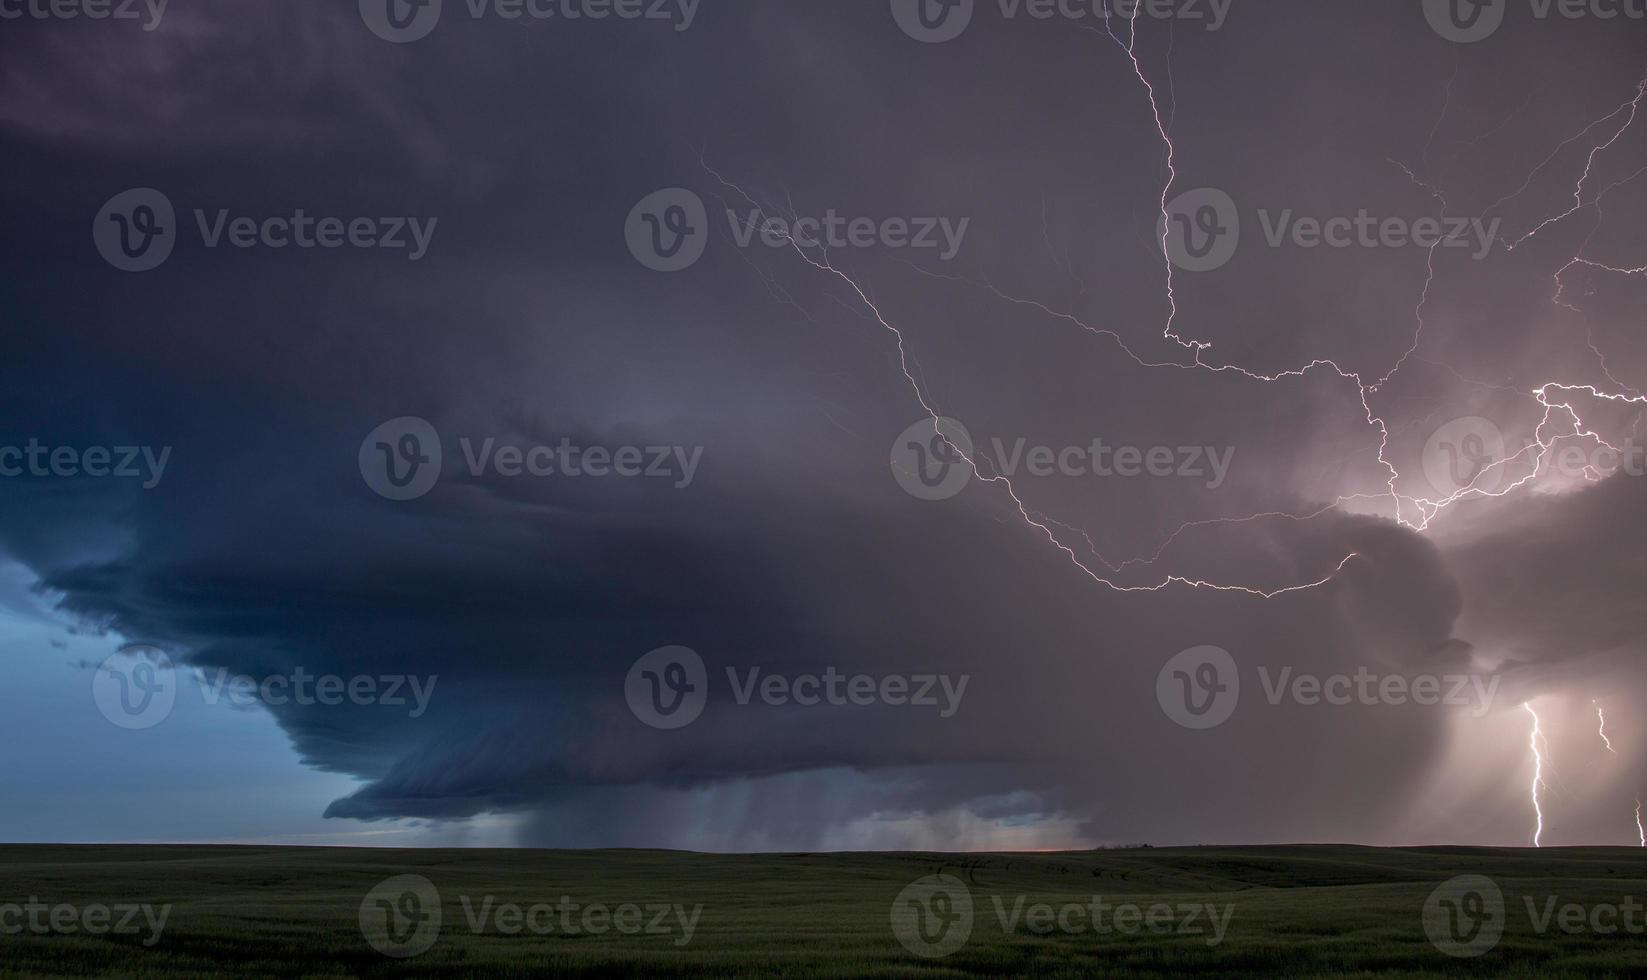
1210	912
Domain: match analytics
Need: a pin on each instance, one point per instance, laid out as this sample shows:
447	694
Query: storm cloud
794	548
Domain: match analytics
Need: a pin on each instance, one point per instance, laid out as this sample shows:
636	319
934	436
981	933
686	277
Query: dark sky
793	547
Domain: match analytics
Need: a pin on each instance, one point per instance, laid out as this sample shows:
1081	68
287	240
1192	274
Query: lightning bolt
1601	730
1556	398
1042	527
1561	420
1560	401
1538	774
1630	109
1426	508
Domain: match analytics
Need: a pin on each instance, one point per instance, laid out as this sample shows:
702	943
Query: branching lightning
1041	526
1426	508
1562	403
1562	419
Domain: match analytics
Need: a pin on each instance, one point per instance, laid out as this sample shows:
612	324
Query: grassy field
1285	911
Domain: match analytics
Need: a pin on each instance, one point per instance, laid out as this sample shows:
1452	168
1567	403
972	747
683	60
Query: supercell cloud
889	224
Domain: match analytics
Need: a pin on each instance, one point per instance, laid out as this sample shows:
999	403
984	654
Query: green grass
1297	912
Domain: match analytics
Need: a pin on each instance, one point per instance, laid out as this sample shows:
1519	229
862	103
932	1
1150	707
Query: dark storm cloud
793	549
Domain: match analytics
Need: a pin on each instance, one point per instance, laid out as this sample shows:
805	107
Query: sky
761	426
